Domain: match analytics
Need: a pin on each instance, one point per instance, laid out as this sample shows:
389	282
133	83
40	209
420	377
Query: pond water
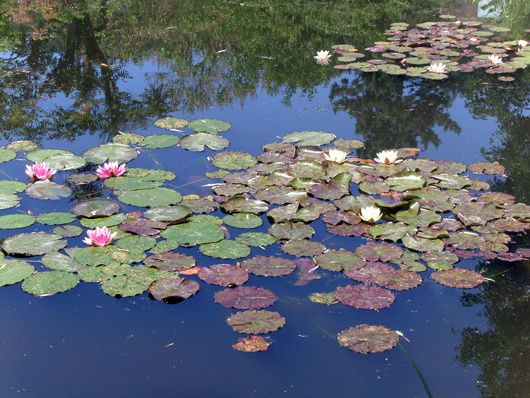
74	76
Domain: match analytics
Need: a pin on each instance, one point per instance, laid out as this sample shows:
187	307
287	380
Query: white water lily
437	68
495	59
322	57
387	157
336	155
371	214
522	43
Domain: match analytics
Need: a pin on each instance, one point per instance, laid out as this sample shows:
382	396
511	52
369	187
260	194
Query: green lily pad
255	239
303	247
323	298
422	244
233	160
170	262
131	183
49	283
109	221
150	174
256	321
8	200
110	153
339	260
22	145
15	221
209	125
6	155
240	204
379	251
171	123
106	255
14	271
193	233
367	339
291	231
11	187
440	261
168	213
47	190
135	243
309	138
133	282
95	208
68	231
227	249
155	197
159	141
61	262
243	220
127	138
197	142
55	218
60	161
391	231
33	244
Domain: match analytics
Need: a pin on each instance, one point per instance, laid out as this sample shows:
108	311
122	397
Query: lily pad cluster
433	214
431	50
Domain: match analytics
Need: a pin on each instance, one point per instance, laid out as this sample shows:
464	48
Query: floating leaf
6	155
303	247
209	125
109	221
68	231
55	218
251	344
291	230
11	186
49	283
458	277
168	213
233	160
22	145
244	205
339	260
171	123
422	244
15	221
256	322
384	275
194	233
136	244
174	287
14	271
364	297
323	298
33	244
95	208
143	227
131	183
127	138
379	251
170	262
439	260
8	200
308	138
110	153
155	197
225	249
61	262
245	298
159	141
366	339
487	168
223	275
243	220
199	141
268	266
47	190
255	239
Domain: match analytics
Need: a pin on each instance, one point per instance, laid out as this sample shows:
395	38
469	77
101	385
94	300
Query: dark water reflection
74	75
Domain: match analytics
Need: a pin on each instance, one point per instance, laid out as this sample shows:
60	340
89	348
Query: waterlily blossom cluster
99	236
370	214
336	155
387	157
110	169
495	59
40	171
437	68
322	57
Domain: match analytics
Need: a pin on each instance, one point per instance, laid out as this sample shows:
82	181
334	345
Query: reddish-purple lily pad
384	275
459	278
268	266
174	287
223	275
245	297
143	227
251	344
366	339
364	297
256	321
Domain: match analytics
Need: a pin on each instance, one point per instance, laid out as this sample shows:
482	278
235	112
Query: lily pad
128	138
110	153
14	271
240	204
367	339
440	261
256	322
384	275
243	220
168	213
291	231
159	141
131	183
199	141
339	260
209	125
309	138
379	251
364	297
223	275
33	244
109	221
6	155
174	287
458	277
487	168
268	266
15	221
68	231
225	248
259	239
61	262
49	283
234	160
21	145
95	208
303	247
155	197
143	227
55	218
171	123
245	298
251	344
11	186
194	233
8	200
47	190
170	262
323	298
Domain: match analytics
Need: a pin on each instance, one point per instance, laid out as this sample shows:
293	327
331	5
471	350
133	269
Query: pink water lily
99	236
110	169
40	171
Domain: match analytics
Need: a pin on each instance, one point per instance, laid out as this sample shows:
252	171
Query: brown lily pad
384	275
256	321
223	275
364	297
458	277
174	287
366	339
269	266
245	298
170	262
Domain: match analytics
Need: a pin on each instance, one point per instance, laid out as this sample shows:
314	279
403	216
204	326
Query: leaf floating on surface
269	266
458	277
256	322
251	344
49	282
367	339
174	287
223	275
364	297
245	298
